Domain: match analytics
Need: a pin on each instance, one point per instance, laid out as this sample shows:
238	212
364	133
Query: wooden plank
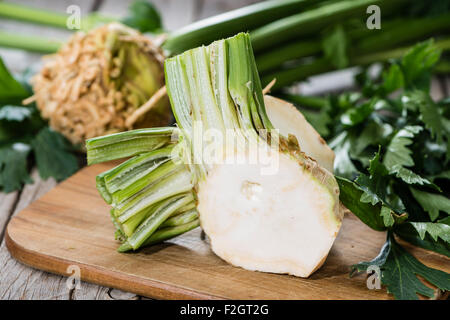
70	225
183	14
18	281
45	286
7	205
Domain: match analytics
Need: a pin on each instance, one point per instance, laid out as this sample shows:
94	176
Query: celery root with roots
278	214
96	83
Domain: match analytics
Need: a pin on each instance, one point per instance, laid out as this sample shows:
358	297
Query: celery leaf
14	166
432	203
399	271
54	157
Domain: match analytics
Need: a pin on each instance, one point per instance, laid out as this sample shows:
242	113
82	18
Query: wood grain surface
70	225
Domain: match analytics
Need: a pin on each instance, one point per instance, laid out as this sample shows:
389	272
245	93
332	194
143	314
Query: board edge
99	276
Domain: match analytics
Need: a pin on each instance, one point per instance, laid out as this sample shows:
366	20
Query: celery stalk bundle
151	193
292	39
240	207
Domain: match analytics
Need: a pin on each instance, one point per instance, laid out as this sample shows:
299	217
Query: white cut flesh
289	120
284	222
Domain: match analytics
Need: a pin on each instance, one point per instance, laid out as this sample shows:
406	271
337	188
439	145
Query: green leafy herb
25	140
374	185
10	89
436	230
417	64
14	166
54	156
397	153
350	196
143	16
432	203
409	233
391	142
399	271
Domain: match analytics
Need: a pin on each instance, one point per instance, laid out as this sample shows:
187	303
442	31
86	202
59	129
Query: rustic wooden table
21	282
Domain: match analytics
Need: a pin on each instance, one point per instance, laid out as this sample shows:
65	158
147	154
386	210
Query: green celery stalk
219	56
363	40
180	219
180	214
202	93
224	25
101	187
244	84
128	172
161	213
187	207
179	99
163	234
135	168
171	232
176	183
274	58
127	144
407	30
310	22
152	177
321	65
29	43
47	17
131	224
33	15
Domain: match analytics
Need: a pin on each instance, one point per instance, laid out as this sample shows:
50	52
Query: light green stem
29	43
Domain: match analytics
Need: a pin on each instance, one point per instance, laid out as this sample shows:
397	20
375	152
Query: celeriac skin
289	120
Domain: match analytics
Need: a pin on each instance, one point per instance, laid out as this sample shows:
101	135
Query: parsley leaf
26	140
397	153
399	271
11	91
432	203
417	64
409	233
343	165
143	16
393	79
350	193
53	155
395	118
428	110
13	166
436	230
374	185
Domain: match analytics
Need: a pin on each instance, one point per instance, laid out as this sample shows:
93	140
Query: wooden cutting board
70	225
